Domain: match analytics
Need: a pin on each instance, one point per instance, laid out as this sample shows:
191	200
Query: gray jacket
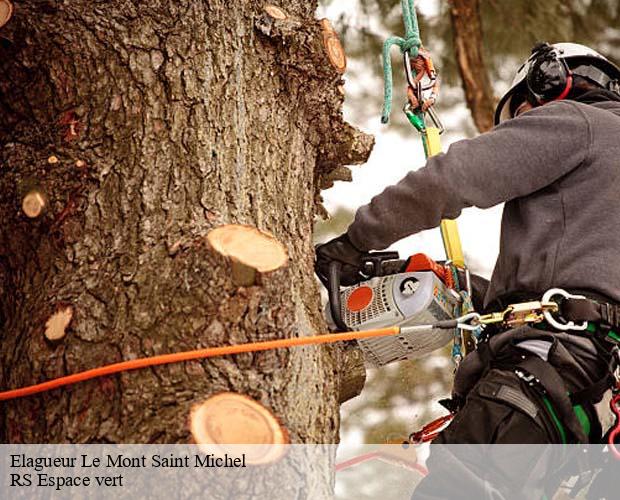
557	167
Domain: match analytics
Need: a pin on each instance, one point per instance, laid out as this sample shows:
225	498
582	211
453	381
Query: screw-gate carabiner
429	71
411	81
417	88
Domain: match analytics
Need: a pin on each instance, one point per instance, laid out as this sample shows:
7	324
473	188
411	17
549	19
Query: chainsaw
394	292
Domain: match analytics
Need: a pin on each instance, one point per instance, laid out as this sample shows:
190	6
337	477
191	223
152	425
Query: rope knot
410	43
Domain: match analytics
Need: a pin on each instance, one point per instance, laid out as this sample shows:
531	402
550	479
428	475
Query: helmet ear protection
552	72
549	78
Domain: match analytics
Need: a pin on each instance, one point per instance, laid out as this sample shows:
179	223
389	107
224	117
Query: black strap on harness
554	387
606	316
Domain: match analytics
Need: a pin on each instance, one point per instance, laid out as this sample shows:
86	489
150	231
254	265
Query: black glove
341	250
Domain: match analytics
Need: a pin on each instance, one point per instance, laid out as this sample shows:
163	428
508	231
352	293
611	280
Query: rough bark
352	374
166	119
468	45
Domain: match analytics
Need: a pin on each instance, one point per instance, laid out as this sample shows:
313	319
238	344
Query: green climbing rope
410	43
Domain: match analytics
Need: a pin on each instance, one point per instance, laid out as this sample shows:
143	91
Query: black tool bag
501	377
501	409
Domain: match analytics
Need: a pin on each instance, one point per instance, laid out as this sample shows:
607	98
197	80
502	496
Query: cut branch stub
333	47
56	326
352	373
6	11
34	203
234	419
249	250
275	12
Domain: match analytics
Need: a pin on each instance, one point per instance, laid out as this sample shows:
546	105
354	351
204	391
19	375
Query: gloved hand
339	249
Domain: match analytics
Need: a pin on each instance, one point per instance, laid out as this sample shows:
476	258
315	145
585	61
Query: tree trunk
144	125
468	45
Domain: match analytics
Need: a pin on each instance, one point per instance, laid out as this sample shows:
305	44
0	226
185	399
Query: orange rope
177	357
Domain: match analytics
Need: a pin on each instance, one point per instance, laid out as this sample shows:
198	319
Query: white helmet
582	61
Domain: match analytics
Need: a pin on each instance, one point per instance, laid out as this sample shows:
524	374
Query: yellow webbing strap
449	229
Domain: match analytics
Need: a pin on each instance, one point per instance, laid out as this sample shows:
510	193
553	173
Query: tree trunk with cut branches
143	126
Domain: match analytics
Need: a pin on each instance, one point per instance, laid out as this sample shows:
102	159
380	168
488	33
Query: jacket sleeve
516	158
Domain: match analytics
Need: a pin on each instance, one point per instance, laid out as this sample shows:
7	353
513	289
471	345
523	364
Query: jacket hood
601	98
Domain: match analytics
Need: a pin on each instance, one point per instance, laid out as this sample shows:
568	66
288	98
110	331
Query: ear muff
549	77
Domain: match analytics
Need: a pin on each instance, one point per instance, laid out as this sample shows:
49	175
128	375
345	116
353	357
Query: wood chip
249	246
6	11
275	12
234	419
335	52
326	26
56	326
33	204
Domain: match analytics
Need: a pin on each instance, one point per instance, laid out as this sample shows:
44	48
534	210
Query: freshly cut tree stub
326	26
248	246
234	419
56	326
6	11
275	12
335	52
33	204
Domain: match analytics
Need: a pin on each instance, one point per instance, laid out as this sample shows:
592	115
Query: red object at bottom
615	433
422	262
431	430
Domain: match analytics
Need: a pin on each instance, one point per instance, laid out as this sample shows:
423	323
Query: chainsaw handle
372	263
333	290
375	263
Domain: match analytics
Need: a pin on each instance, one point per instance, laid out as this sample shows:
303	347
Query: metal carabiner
410	79
429	71
436	121
569	325
469	321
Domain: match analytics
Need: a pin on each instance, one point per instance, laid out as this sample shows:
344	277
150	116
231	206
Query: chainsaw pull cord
409	45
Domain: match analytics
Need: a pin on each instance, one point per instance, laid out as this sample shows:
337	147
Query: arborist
554	159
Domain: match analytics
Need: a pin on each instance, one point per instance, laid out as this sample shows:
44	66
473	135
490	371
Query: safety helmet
547	75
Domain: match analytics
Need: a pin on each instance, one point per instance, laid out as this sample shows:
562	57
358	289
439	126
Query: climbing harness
561	311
